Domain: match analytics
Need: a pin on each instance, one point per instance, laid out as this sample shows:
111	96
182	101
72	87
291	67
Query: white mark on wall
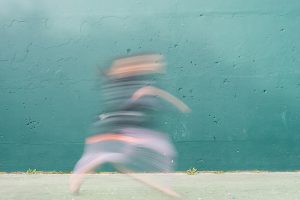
283	118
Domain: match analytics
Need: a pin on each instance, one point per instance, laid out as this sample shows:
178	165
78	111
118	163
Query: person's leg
166	189
88	164
152	151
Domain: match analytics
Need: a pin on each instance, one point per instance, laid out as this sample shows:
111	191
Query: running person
122	134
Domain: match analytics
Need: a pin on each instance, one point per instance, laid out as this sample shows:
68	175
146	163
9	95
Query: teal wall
235	63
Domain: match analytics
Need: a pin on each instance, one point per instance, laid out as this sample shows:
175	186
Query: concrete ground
203	186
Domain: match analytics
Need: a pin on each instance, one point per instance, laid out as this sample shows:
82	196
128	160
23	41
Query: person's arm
153	91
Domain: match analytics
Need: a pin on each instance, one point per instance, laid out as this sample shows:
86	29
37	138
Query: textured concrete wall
236	63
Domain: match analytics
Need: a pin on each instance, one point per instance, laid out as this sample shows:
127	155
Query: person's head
136	65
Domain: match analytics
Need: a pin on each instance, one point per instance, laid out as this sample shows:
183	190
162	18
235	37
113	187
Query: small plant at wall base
31	171
192	171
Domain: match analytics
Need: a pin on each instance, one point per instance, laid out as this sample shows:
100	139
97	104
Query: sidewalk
203	186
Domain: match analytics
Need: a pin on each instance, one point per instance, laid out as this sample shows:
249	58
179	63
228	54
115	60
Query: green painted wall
236	63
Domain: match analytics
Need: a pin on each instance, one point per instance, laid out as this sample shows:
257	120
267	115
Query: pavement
202	186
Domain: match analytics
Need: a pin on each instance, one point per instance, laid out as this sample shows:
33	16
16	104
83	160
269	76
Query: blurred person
124	133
